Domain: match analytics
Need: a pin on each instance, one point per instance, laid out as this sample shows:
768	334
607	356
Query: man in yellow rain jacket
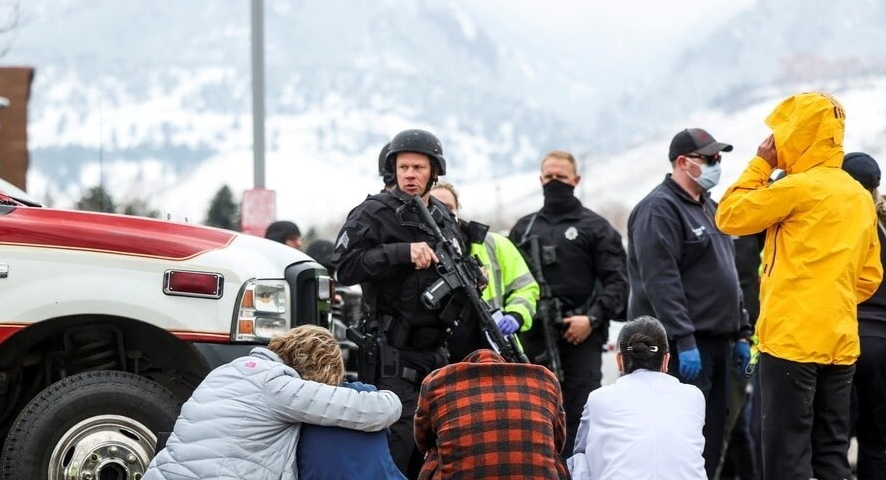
821	259
510	288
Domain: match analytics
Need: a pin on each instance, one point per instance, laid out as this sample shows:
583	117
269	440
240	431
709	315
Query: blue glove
507	324
690	364
741	355
360	386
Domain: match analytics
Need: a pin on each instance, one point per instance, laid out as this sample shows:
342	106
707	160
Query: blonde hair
562	155
448	186
313	352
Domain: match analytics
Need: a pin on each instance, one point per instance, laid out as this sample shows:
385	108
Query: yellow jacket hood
808	130
822	254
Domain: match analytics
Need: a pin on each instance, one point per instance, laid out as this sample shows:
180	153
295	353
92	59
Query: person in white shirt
647	425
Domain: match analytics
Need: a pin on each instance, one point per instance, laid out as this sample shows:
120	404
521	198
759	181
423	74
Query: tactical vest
396	305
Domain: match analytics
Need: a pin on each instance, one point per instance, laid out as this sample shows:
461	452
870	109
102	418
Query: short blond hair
313	352
562	155
448	186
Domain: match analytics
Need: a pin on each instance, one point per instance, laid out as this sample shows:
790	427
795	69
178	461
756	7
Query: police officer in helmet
385	247
386	174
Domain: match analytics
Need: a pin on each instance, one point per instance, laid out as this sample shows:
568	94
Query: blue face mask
710	175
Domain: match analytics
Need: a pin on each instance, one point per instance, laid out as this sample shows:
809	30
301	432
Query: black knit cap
862	168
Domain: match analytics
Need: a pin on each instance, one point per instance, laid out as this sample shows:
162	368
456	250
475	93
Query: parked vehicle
108	323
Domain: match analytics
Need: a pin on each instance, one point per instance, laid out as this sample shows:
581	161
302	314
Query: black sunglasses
709	159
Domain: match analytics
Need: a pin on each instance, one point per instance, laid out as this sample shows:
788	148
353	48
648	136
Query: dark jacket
373	249
682	268
748	249
330	453
485	418
589	254
872	312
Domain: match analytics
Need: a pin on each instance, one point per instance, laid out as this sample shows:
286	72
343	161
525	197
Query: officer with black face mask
385	247
584	264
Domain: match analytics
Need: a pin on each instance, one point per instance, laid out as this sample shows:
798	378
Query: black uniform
373	249
870	379
589	259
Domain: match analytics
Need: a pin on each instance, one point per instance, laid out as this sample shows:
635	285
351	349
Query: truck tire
101	425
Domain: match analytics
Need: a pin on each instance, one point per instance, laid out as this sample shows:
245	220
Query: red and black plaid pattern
483	418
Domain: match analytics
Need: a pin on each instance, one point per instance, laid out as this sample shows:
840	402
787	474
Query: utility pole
258	93
259	206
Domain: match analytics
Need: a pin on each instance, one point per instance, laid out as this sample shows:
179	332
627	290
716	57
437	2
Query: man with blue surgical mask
681	270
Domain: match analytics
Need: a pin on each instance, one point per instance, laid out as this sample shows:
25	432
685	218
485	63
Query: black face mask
559	196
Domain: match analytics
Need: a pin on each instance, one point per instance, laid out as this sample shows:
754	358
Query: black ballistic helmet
387	175
419	141
383	158
321	251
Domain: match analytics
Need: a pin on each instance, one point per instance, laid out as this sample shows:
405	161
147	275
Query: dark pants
404	451
738	459
402	438
713	381
870	387
756	420
581	369
805	419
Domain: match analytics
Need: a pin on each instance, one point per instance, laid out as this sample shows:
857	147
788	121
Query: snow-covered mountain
613	183
786	43
157	88
154	97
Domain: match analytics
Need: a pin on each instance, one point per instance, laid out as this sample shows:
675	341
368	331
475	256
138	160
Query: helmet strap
430	185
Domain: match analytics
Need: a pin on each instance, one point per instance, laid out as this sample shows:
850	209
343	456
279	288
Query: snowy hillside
154	96
320	193
785	43
613	184
154	89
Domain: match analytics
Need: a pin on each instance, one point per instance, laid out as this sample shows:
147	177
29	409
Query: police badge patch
571	233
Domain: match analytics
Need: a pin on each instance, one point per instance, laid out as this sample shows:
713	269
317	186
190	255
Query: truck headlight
271	296
264	311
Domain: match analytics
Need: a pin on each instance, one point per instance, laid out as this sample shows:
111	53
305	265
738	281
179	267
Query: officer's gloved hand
507	324
690	364
741	354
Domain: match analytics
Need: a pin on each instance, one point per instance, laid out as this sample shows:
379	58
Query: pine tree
97	199
310	236
223	211
140	208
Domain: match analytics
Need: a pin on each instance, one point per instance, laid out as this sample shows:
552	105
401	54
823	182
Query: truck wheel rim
104	447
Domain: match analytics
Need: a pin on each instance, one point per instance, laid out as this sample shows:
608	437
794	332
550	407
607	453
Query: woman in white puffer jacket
243	421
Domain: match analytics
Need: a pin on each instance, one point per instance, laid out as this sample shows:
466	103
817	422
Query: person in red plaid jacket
486	418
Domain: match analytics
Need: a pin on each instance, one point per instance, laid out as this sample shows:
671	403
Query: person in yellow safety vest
511	287
822	258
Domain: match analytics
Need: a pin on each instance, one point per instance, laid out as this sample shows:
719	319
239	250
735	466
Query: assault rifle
548	308
462	273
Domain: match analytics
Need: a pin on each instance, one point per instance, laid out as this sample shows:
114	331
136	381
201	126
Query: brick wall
15	85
